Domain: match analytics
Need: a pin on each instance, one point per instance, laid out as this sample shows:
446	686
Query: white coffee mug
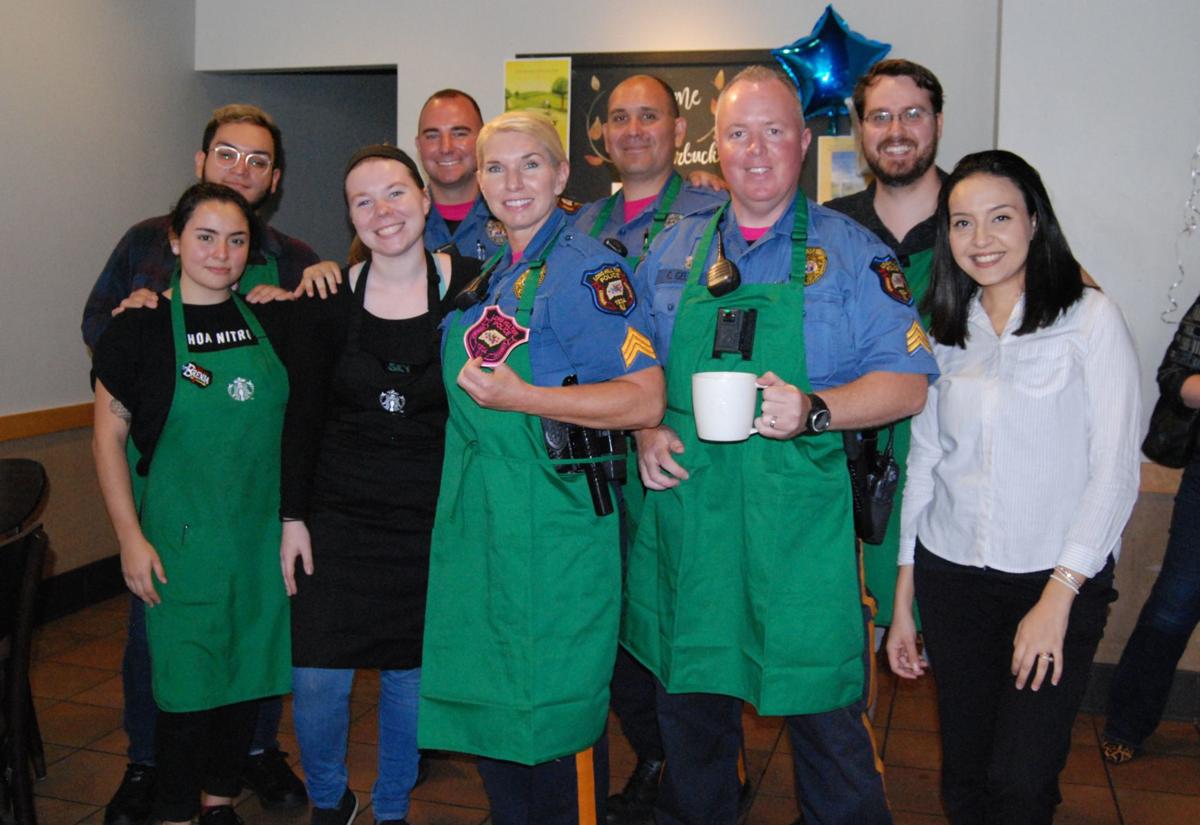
723	403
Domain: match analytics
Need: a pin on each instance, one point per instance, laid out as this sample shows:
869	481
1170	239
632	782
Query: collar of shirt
979	321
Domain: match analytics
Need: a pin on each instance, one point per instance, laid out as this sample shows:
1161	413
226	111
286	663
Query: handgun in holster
571	441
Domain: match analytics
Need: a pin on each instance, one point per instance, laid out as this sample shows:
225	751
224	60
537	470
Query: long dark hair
1053	280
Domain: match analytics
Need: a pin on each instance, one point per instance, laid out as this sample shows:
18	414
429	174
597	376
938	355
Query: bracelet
1069	576
1064	581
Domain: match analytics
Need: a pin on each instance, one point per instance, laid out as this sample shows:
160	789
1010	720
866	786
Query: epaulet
569	205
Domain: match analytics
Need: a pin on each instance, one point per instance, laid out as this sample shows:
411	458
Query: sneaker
133	803
220	815
269	776
343	814
1115	753
634	805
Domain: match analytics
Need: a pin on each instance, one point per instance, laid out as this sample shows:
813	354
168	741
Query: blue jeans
140	711
321	711
1143	677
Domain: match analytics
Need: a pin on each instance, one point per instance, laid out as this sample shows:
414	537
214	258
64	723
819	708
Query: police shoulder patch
816	261
916	339
891	279
569	205
611	290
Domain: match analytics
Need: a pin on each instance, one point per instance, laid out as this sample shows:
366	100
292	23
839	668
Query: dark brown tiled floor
77	692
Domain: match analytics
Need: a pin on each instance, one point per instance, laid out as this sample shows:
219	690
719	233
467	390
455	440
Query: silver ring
1049	657
771	423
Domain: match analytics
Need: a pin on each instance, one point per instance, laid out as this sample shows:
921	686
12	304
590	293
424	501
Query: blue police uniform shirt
853	324
574	328
690	199
474	238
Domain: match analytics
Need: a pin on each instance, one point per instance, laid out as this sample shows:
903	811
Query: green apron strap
255	274
659	222
532	279
660	214
605	213
799	241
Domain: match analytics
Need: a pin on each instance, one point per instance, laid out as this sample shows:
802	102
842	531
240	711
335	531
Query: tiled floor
77	691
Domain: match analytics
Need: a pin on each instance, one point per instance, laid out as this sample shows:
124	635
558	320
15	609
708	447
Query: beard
920	165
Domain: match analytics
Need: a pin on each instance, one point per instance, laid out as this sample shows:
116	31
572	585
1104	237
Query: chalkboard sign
696	77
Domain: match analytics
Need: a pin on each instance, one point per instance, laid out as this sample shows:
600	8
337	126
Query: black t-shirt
135	357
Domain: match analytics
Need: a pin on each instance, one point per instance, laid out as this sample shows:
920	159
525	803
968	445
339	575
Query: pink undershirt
635	208
516	254
454	211
753	233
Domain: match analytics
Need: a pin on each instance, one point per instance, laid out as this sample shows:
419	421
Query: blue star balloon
826	64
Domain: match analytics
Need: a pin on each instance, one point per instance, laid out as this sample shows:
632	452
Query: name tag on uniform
197	374
494	336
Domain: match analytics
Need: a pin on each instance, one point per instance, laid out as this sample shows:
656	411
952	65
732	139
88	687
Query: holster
874	476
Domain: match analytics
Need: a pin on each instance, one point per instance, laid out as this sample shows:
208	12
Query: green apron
879	560
210	507
657	224
255	274
743	579
524	584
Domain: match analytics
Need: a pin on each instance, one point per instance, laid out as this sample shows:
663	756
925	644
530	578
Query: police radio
723	277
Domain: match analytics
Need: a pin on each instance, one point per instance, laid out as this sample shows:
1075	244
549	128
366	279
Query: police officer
446	131
642	130
525	577
743	581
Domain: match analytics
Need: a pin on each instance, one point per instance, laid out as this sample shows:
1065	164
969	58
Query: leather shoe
270	777
634	805
133	803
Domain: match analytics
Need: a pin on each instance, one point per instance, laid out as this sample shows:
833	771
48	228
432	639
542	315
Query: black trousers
632	692
836	766
1002	748
200	751
568	791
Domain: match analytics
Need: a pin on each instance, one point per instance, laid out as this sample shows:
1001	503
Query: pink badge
494	336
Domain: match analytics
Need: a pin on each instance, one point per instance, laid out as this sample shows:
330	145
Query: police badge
815	263
495	232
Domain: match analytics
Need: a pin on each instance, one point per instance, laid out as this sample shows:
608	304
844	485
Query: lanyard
799	240
660	217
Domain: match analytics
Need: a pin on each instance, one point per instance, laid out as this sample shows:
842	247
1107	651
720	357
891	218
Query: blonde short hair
534	124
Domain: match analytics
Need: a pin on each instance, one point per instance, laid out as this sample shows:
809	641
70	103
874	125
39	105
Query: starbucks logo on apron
391	401
241	389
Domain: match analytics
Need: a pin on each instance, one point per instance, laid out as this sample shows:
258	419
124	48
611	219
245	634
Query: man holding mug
743	583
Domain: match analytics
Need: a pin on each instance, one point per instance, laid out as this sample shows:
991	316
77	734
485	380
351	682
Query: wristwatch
818	415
